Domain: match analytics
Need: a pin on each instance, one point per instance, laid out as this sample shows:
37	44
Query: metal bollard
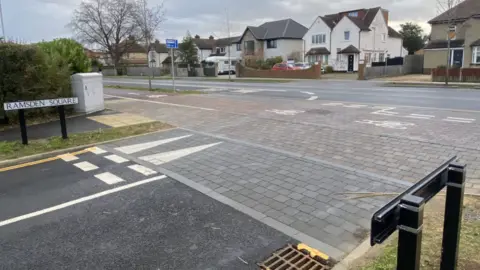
410	226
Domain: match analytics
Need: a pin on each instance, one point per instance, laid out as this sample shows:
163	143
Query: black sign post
23	126
405	213
63	122
21	106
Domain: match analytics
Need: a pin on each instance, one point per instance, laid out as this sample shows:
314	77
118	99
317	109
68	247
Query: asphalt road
55	215
348	91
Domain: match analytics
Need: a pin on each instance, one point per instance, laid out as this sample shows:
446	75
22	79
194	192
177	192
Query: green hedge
28	73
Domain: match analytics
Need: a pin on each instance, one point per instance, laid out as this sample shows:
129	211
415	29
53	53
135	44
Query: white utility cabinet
88	87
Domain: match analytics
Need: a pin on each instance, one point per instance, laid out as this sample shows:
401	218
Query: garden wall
314	72
456	75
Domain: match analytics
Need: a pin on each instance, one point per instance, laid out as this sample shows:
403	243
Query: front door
350	62
457	60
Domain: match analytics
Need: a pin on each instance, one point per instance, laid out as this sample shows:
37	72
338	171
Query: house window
222	50
383	37
319	39
353	14
367	58
381	57
239	47
249	47
346	35
271	44
476	55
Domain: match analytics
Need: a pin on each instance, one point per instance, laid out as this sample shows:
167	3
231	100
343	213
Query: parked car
302	65
283	66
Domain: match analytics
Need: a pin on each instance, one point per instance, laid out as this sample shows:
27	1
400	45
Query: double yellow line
27	164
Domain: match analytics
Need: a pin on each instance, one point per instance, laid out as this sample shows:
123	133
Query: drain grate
290	258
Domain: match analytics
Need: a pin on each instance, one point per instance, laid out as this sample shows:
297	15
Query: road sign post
172	44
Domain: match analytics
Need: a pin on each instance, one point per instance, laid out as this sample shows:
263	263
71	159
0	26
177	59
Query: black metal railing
405	213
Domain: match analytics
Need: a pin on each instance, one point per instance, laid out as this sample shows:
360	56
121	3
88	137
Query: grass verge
160	90
468	258
12	150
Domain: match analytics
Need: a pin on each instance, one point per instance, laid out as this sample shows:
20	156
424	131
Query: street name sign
21	106
32	104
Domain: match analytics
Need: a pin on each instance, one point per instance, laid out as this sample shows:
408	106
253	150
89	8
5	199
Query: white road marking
285	112
134	94
422	115
418	117
97	150
156	96
117	159
313	98
464	120
308	93
163	103
161	158
85	166
77	201
143	170
461	119
355	106
332	104
245	91
109	178
68	157
387	124
130	149
273	90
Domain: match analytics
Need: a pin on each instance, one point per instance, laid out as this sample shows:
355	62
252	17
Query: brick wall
315	72
456	75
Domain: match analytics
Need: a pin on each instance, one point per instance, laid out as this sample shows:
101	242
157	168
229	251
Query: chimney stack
197	36
385	15
211	37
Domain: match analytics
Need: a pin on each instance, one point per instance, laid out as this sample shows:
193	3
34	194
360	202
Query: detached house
216	47
462	23
278	38
341	40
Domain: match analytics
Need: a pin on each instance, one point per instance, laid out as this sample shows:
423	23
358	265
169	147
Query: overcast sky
35	20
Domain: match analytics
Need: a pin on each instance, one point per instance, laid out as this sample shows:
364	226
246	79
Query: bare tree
149	21
109	24
449	9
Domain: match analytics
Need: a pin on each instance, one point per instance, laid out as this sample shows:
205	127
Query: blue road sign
172	43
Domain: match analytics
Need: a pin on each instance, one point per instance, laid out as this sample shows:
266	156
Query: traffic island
159	90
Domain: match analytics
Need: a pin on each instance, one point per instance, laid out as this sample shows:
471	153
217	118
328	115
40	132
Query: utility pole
229	45
1	20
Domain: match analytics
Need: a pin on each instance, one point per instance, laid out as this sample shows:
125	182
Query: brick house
465	37
277	38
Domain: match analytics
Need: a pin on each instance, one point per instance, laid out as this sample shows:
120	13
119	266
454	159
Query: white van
222	62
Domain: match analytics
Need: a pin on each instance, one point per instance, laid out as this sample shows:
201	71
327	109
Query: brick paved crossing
299	192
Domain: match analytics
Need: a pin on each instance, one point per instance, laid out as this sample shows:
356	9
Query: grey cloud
34	20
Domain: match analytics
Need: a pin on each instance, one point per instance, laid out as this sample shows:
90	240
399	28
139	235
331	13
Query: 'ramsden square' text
20	105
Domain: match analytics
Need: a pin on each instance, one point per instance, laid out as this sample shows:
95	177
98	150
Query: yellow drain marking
45	160
313	252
